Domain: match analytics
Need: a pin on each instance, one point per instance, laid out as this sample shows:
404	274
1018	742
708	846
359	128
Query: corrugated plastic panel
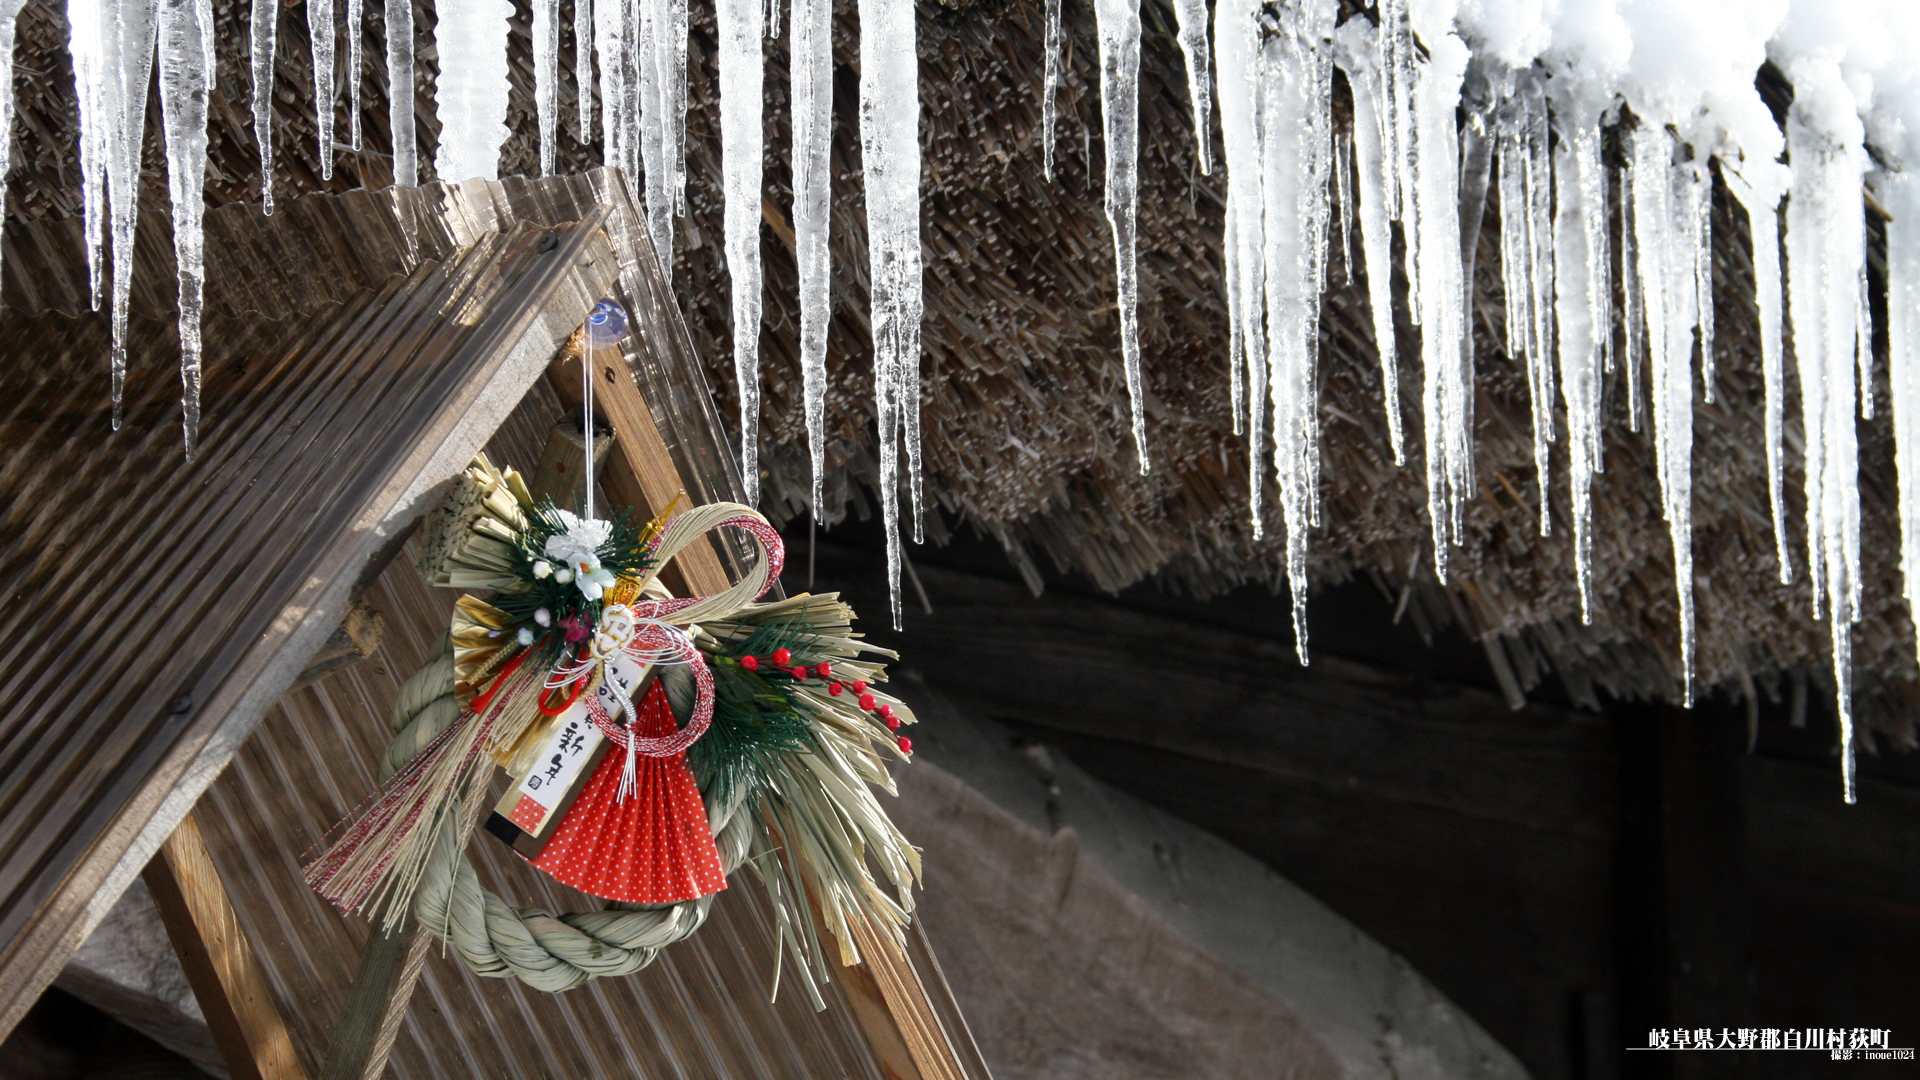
148	597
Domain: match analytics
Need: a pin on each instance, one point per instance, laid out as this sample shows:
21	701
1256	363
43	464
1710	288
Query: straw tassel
377	861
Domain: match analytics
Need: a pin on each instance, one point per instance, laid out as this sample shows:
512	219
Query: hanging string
606	325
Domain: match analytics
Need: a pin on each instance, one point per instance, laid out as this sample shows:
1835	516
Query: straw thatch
1024	401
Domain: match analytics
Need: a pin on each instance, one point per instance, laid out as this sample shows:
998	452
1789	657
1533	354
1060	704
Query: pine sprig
568	611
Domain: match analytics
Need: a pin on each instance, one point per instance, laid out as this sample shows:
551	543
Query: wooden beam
383	983
563	464
220	965
905	1017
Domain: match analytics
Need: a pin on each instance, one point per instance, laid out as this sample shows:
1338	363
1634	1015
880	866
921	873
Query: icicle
406	153
1633	316
672	58
1051	85
741	26
546	80
1399	91
1761	201
1376	177
1295	126
890	154
1119	29
128	29
1581	316
612	37
651	25
1526	261
87	33
9	18
1236	36
1440	299
471	96
811	68
1699	211
583	65
186	78
1343	197
1192	16
320	30
1826	247
1668	229
265	32
355	59
1863	343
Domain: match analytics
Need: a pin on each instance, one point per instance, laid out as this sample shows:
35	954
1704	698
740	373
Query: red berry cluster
782	657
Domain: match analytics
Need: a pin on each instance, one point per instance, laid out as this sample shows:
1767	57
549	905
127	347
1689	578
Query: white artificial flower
575	549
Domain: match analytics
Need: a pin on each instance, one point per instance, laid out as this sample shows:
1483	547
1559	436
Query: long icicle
1525	180
355	59
1119	31
811	68
890	155
129	59
472	95
1296	70
1192	17
1360	54
1826	246
546	80
9	20
1440	299
265	27
583	65
1759	194
1666	232
1236	44
741	26
1050	85
185	30
1581	318
406	152
320	31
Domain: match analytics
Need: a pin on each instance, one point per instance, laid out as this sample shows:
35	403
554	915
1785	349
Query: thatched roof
1024	400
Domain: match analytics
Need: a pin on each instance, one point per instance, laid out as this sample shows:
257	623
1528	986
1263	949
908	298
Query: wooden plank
219	962
382	986
563	463
376	1002
906	1017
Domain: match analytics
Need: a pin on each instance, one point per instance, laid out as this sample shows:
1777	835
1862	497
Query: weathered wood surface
220	963
382	987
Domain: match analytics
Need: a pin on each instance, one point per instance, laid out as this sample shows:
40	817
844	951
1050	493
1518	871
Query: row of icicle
1536	83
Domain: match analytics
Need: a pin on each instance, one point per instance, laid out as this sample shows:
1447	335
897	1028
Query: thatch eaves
1023	395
